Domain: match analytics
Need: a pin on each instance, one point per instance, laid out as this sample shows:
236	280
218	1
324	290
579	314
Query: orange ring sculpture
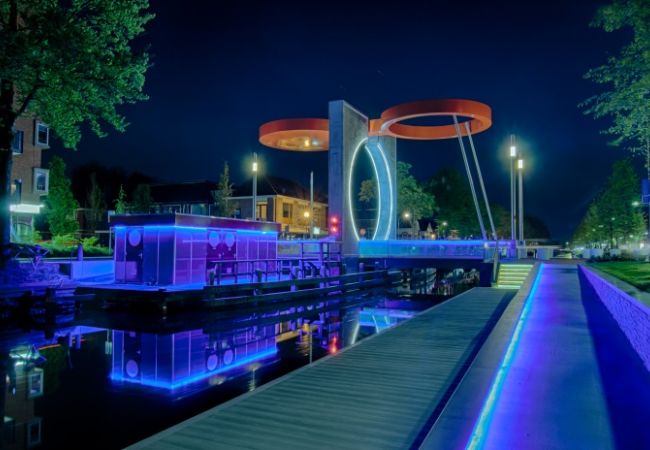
479	115
303	135
309	135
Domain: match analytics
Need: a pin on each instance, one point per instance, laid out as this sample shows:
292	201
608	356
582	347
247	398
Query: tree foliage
626	76
67	63
411	196
224	208
61	205
95	202
368	191
613	216
121	204
142	200
454	201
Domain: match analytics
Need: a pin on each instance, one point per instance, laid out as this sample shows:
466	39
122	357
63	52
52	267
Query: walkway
574	380
384	392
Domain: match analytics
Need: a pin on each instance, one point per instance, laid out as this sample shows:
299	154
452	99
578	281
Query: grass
636	273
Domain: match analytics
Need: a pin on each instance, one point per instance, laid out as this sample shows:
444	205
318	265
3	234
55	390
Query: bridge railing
427	249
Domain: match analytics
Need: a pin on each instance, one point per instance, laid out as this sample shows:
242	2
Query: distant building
283	201
29	181
278	200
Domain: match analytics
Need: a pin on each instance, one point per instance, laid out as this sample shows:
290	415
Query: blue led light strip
198	377
183	227
482	426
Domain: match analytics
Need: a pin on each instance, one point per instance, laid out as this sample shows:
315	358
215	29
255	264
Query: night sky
220	69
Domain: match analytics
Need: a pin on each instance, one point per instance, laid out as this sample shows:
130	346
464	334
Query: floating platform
195	296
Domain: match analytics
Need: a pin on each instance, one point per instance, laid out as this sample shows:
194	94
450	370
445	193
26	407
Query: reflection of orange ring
300	135
479	115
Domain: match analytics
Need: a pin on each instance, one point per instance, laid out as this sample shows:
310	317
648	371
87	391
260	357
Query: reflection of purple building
167	249
175	360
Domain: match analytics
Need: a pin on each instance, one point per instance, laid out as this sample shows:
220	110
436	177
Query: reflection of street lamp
520	170
513	155
254	186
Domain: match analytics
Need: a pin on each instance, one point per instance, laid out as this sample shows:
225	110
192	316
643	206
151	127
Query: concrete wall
630	309
348	133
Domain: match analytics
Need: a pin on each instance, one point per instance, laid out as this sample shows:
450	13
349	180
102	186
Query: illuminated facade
29	181
169	249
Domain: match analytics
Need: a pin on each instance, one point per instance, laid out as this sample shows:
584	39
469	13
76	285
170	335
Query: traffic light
334	225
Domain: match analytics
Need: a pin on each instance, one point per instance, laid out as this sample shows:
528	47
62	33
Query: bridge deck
573	380
384	392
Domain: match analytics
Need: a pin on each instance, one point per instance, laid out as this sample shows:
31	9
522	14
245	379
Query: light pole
254	186
520	171
311	205
513	155
407	218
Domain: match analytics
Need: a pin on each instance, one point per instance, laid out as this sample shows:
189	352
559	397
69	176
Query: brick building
29	181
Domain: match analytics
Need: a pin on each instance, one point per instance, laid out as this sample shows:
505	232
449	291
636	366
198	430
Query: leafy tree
454	199
142	200
61	205
613	215
224	208
626	77
411	197
121	205
95	201
368	191
67	63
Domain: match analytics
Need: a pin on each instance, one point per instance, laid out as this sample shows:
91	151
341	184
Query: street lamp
513	155
254	186
520	170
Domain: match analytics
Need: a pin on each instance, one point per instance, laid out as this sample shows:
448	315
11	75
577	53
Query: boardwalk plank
379	393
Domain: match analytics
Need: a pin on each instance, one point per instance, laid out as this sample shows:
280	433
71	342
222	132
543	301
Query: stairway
512	276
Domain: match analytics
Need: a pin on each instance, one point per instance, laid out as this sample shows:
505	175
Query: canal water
107	380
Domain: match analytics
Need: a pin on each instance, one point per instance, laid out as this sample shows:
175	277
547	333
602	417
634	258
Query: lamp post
520	171
407	219
513	155
254	186
311	205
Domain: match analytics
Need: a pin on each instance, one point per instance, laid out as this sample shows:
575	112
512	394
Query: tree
224	208
142	200
121	205
95	201
627	77
61	205
368	191
613	216
454	200
67	63
411	197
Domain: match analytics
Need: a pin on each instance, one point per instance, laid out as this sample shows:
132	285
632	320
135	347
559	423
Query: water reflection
78	384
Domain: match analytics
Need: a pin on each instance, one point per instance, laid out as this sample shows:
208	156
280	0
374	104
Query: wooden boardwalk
384	392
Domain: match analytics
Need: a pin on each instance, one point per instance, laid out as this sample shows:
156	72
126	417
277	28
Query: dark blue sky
221	69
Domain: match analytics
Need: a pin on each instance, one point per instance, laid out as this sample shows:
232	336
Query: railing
427	249
258	270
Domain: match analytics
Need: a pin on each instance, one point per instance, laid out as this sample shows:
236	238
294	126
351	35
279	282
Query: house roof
271	185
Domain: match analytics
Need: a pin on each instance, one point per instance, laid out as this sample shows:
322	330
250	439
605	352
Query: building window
41	134
17	142
41	180
287	210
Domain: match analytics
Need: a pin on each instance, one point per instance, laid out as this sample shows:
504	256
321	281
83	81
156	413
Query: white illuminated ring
350	211
390	190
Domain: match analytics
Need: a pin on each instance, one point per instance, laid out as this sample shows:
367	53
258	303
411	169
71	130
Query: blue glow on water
482	426
198	377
